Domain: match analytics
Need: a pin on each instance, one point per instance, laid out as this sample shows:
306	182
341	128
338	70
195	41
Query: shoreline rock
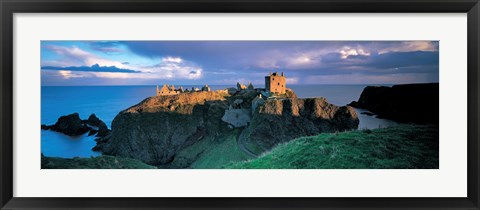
410	103
103	130
72	125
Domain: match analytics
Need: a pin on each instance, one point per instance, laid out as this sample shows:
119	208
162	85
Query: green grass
400	147
212	152
100	162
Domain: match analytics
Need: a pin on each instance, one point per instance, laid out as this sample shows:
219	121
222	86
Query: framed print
239	105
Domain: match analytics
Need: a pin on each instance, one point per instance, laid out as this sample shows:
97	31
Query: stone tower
275	83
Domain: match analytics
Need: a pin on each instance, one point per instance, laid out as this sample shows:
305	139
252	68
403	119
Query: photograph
239	104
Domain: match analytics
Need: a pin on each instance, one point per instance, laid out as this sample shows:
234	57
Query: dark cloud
93	68
222	54
383	61
248	55
403	59
108	47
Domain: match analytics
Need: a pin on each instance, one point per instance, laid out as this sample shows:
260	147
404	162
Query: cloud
402	59
408	46
270	55
377	61
74	56
107	47
174	68
289	59
372	79
76	59
164	70
69	74
172	59
225	62
292	80
347	51
93	68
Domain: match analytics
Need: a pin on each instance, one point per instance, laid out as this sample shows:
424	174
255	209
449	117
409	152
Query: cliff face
417	103
279	121
158	128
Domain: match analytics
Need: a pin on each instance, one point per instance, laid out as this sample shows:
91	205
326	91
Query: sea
107	101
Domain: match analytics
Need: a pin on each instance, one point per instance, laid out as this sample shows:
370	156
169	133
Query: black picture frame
10	7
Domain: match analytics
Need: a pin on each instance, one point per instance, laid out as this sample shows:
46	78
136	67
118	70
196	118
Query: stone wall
275	84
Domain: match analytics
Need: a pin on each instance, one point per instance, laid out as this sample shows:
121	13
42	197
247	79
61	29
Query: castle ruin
167	90
275	83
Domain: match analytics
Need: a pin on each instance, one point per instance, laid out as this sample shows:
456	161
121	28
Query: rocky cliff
158	128
416	103
281	120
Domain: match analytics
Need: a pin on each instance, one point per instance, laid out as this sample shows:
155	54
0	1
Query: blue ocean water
107	101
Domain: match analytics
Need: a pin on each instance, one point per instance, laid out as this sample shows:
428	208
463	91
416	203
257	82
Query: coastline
381	123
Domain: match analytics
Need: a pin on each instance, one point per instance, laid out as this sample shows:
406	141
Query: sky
79	63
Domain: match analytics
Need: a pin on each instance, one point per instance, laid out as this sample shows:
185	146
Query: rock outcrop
103	130
237	117
241	86
70	125
415	103
281	120
290	94
158	128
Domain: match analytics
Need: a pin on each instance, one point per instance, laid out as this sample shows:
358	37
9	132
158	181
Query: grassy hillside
400	147
100	162
212	152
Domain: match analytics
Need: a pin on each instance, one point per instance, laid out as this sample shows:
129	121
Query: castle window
273	78
279	83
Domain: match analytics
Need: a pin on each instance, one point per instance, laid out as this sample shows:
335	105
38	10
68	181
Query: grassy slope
405	146
100	162
212	153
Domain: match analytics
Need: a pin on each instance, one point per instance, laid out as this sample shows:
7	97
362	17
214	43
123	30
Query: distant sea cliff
409	103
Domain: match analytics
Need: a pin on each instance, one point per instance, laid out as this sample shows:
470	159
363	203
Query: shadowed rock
415	103
70	125
103	130
282	120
